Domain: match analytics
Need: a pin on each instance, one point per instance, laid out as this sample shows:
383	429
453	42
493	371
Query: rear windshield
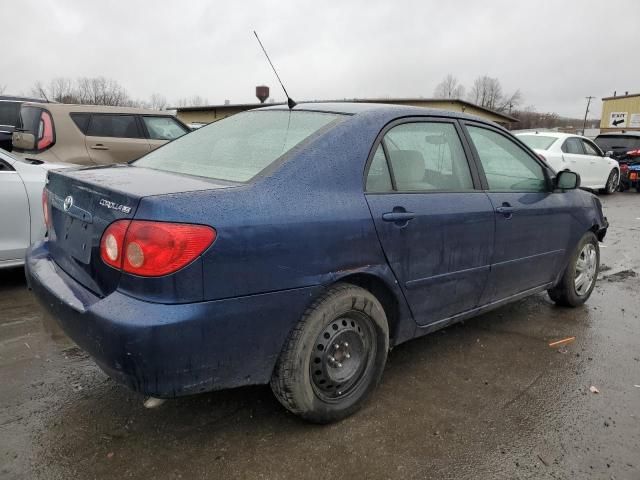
239	147
540	142
617	142
29	119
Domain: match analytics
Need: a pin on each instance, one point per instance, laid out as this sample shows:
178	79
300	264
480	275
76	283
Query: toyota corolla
296	247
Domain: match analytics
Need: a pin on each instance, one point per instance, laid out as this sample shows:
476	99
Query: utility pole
584	124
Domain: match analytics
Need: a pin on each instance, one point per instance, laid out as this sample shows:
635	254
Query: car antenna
290	101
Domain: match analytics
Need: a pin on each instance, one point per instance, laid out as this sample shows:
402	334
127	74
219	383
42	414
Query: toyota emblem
68	203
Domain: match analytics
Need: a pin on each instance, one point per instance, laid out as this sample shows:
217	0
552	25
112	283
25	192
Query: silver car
21	222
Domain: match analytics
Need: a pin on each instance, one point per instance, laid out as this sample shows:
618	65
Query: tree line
103	91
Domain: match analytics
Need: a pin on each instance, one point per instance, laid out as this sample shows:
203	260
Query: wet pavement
485	399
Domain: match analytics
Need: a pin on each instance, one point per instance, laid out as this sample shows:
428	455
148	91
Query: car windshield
617	142
540	142
239	147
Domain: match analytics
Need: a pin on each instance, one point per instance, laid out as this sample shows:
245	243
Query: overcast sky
555	52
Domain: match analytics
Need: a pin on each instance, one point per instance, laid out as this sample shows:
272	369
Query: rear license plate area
74	236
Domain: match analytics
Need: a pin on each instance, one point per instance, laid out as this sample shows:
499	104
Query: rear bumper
170	350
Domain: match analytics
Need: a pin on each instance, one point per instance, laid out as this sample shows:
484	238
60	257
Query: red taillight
634	153
112	242
153	249
45	207
45	131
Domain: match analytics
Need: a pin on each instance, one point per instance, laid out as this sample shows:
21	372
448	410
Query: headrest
408	166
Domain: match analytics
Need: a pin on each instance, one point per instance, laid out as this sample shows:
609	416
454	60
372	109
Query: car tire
612	184
333	359
573	290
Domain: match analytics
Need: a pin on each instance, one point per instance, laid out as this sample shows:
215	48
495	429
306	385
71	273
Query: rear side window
573	145
589	148
163	128
81	120
121	126
427	156
9	113
239	147
506	165
378	178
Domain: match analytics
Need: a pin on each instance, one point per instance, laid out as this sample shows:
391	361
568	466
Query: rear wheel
334	357
612	182
579	278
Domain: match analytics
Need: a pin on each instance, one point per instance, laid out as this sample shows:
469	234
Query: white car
563	151
21	222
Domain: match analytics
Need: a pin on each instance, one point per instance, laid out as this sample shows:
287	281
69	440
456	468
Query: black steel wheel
334	357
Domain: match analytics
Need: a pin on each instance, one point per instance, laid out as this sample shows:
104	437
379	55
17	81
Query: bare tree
194	101
487	92
101	91
449	88
157	101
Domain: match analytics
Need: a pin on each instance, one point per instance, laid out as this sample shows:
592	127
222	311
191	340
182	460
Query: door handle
505	209
99	146
398	216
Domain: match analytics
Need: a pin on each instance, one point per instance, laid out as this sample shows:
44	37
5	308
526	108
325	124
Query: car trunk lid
83	202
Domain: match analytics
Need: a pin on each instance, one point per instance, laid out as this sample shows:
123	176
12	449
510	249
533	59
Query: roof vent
262	92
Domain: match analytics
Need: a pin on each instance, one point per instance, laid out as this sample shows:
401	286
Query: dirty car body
322	213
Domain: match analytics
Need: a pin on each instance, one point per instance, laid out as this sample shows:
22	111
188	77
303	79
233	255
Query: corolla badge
68	203
114	206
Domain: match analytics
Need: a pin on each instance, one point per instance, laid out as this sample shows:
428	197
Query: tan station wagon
91	134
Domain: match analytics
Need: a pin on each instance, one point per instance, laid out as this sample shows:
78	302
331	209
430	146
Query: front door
435	228
115	139
532	222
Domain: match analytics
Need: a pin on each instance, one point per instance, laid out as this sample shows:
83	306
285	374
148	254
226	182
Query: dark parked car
625	148
9	113
296	247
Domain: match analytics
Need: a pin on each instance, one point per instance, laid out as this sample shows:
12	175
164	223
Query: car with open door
21	223
563	151
295	247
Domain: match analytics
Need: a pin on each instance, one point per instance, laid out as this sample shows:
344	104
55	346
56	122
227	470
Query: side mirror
23	140
566	180
608	153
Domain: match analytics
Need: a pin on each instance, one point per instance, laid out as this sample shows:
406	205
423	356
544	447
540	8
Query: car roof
619	134
544	133
78	108
378	109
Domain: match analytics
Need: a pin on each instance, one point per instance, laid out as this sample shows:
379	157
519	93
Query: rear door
15	232
115	138
532	222
161	129
435	228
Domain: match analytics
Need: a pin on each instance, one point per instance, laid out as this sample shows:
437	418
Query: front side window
163	128
427	156
506	165
572	145
238	147
120	126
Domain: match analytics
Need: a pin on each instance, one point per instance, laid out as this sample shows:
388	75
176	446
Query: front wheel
334	358
579	278
612	182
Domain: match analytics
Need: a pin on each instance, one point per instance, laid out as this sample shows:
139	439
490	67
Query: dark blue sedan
297	247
